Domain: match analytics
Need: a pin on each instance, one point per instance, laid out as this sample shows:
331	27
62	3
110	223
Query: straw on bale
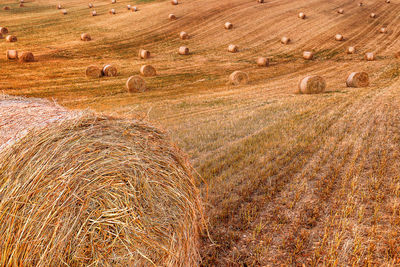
3	30
285	40
228	25
183	50
312	85
262	62
302	15
148	71
26	57
238	78
90	5
85	37
351	50
93	72
233	48
357	79
12	54
135	84
172	17
112	11
372	15
383	30
339	37
94	13
109	70
174	2
144	54
183	35
308	55
11	38
80	189
369	56
340	11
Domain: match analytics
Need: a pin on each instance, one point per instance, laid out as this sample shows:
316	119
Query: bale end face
109	70
135	84
12	54
144	54
238	78
357	79
228	26
183	35
3	30
312	85
26	57
11	38
233	48
148	71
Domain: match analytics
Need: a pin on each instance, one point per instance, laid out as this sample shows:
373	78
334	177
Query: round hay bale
3	30
59	6
90	5
357	79
340	11
388	1
109	70
148	71
238	78
21	1
360	4
372	15
144	54
21	5
339	37
85	37
262	62
233	48
228	25
94	13
11	38
285	40
6	8
135	84
302	15
128	7
174	2
383	30
113	1
26	57
351	50
64	12
93	72
12	54
172	17
312	85
90	189
112	11
369	56
134	9
183	35
308	55
183	50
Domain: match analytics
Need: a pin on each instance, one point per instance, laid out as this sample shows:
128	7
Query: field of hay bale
288	111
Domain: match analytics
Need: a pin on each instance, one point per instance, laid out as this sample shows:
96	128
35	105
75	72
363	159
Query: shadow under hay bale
81	189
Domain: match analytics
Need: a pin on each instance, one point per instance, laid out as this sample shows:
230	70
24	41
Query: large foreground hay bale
89	190
12	54
238	78
93	72
26	57
262	62
148	70
144	54
135	84
357	79
109	70
86	37
11	38
3	30
312	85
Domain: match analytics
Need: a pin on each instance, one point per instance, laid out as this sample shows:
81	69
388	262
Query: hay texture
26	57
109	70
86	37
148	71
93	72
11	38
144	54
78	189
312	85
238	78
183	50
357	79
262	62
12	54
135	84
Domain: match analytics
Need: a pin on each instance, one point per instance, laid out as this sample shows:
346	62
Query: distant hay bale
233	48
383	30
183	50
134	9
90	5
135	84
129	7
174	2
11	38
144	54
26	57
302	15
312	85
351	50
339	37
285	40
369	56
112	11
228	25
340	11
86	37
82	189
372	15
21	5
260	1
64	12
183	35
357	79
6	8
3	30
308	55
93	72
94	13
59	6
109	70
388	1
238	78
172	17
21	1
148	71
360	4
262	62
113	1
12	54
